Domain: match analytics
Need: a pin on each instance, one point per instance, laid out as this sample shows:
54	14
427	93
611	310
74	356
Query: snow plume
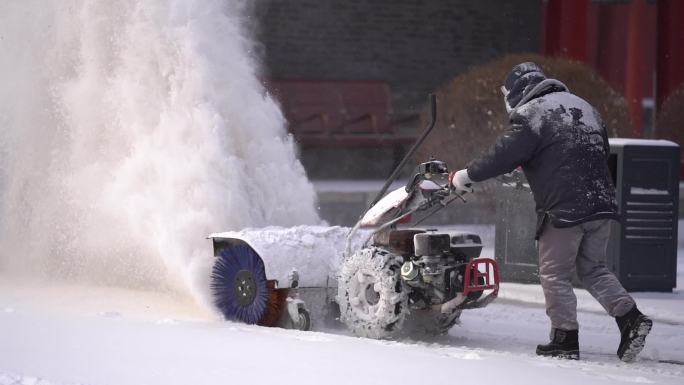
132	129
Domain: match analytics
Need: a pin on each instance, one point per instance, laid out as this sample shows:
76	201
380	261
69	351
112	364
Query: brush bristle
230	261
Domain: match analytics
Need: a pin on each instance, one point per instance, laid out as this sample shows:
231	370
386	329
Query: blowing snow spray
130	131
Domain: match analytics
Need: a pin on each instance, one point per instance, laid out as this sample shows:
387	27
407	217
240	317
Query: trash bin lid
622	142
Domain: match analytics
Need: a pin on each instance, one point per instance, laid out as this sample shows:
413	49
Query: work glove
460	182
293	278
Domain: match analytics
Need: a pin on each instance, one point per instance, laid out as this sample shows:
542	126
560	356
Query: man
562	146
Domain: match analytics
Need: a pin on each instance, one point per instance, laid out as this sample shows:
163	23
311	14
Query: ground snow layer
100	344
93	335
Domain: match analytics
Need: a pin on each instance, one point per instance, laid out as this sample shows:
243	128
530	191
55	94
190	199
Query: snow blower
378	278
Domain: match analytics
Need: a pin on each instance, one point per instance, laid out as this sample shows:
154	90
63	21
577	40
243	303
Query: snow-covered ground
70	335
67	334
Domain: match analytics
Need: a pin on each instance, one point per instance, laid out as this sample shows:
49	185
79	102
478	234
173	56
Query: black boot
564	344
634	327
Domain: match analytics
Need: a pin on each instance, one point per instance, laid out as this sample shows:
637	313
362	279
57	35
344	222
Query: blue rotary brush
239	285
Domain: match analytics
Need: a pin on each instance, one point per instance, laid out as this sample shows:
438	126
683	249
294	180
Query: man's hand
460	181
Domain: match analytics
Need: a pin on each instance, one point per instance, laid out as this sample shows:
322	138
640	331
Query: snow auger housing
423	276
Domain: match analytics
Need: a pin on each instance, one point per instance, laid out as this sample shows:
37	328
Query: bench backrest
330	107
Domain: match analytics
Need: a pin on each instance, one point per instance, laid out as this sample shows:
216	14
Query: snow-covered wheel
372	298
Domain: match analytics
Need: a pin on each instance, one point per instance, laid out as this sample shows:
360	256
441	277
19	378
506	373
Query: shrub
671	118
471	112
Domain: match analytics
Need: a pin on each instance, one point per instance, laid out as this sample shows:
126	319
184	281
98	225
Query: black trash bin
642	251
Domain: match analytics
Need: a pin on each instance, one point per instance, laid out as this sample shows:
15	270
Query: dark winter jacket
562	146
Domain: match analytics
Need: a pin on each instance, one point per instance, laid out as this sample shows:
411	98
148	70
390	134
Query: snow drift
131	130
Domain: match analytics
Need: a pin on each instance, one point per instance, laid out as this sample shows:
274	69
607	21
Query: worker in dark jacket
562	146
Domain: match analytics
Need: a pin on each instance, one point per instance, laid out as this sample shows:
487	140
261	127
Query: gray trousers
581	248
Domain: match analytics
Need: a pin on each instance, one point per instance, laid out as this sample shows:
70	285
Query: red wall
617	39
670	47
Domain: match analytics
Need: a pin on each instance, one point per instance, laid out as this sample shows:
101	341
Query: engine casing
434	262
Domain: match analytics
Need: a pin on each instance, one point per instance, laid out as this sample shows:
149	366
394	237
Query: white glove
461	181
293	278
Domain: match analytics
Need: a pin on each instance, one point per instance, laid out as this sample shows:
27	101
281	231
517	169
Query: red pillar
565	28
635	65
670	48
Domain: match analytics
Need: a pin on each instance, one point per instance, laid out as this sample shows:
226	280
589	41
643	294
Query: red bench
338	113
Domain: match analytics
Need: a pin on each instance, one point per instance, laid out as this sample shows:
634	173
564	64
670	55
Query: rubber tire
304	323
385	317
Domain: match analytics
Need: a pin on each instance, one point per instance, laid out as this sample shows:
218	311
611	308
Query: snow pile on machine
314	251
